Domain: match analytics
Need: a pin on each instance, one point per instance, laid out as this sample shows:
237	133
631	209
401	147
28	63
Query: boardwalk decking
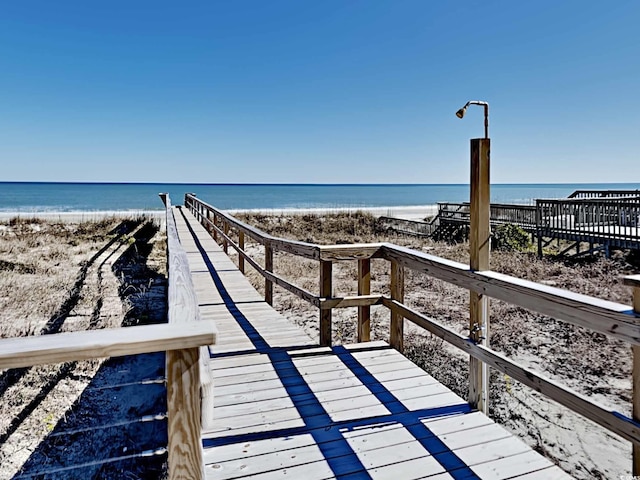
285	408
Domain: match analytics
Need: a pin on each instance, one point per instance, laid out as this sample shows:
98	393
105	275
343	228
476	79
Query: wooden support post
634	281
183	406
268	266
539	227
241	245
225	244
215	224
396	324
364	288
479	245
326	291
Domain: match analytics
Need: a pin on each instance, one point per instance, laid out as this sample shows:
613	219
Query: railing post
479	245
634	281
215	225
225	244
268	266
241	245
396	324
183	405
539	227
326	291
364	288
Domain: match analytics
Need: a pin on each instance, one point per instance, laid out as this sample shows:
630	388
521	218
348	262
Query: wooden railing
521	215
181	339
605	193
608	221
189	380
613	319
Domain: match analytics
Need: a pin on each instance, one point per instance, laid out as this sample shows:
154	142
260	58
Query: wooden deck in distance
285	408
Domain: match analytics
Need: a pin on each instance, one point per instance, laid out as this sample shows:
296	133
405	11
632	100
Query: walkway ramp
285	408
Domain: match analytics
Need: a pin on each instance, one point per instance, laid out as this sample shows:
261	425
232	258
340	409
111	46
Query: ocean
33	197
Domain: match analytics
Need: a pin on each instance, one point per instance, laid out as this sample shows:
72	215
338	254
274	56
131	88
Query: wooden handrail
613	319
114	342
189	379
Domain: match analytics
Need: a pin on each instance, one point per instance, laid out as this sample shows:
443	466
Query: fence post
183	406
634	281
539	227
215	226
479	245
364	288
326	291
396	324
241	245
268	266
225	244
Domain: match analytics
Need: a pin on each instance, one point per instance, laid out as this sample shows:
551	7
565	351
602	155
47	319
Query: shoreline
413	212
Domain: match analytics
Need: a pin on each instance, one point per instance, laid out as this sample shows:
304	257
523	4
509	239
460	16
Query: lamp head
460	113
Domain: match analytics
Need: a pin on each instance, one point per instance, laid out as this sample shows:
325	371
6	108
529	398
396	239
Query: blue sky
332	91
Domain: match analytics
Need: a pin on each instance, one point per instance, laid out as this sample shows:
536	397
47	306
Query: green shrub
510	237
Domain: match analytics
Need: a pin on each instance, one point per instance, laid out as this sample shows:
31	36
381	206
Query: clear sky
331	91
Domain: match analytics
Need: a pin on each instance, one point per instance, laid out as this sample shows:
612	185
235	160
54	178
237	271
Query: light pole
479	245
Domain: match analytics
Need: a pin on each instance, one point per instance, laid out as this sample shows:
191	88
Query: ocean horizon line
286	184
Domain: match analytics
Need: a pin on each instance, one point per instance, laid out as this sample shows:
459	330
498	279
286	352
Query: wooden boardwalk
285	408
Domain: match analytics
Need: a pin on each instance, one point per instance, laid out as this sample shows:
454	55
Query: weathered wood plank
72	346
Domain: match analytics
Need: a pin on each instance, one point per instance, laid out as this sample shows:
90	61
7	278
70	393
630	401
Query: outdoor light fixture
460	113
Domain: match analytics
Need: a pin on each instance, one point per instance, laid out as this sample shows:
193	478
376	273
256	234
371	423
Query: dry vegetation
586	361
59	277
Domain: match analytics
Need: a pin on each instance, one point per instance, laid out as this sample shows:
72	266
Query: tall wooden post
396	324
479	245
364	288
183	405
326	291
268	266
634	281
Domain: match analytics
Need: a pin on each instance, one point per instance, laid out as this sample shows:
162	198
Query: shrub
510	237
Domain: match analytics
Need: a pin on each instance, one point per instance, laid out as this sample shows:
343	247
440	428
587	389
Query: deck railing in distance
522	215
604	193
613	319
606	221
182	339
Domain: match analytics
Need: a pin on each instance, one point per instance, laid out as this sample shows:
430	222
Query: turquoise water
82	197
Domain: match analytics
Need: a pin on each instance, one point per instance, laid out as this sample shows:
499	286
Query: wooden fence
181	338
615	320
